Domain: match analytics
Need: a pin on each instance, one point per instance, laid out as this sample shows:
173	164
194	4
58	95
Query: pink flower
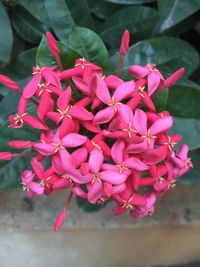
154	77
29	185
122	92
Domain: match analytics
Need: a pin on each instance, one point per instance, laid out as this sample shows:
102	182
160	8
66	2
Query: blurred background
165	32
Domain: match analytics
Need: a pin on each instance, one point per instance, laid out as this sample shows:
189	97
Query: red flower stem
59	63
121	59
24	155
69	199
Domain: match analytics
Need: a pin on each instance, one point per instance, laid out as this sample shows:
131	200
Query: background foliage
165	32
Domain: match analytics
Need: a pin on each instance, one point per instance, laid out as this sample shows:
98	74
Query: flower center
127	204
114	104
149	137
58	147
19	119
64	113
170	144
82	63
96	178
129	130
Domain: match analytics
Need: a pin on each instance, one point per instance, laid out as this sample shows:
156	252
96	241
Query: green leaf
189	129
60	18
130	2
80	13
174	11
37	9
138	20
160	100
44	57
6	35
103	9
168	53
89	45
193	176
10	172
86	206
19	69
28	27
184	101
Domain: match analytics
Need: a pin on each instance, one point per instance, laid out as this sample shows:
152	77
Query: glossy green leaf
184	101
6	35
60	17
89	45
80	13
103	9
44	57
138	20
168	53
130	2
193	176
174	11
160	100
37	9
189	129
27	26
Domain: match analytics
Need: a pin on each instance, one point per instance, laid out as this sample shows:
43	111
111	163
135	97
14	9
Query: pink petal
119	188
55	116
96	160
37	167
113	177
137	148
81	85
36	188
138	71
95	192
153	82
51	76
80	113
138	200
64	99
117	151
136	164
33	122
44	149
104	115
73	140
125	113
79	156
140	121
182	152
161	125
171	80
6	156
32	86
22	105
113	81
102	92
78	178
124	90
69	73
46	105
66	160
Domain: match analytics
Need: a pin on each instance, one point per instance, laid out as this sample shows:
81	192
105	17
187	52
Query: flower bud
125	43
52	45
60	220
13	86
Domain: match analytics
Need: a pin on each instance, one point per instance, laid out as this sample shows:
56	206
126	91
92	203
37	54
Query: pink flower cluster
109	144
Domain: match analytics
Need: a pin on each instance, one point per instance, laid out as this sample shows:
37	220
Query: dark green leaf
28	27
174	11
189	129
86	206
60	18
160	101
44	57
37	9
138	20
193	176
168	53
6	36
89	45
80	13
184	101
20	68
130	2
103	9
10	172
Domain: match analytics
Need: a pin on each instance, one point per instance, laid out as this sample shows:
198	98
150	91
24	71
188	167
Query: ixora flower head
109	144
